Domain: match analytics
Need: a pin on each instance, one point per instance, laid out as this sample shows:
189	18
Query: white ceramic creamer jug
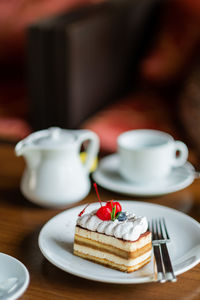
54	175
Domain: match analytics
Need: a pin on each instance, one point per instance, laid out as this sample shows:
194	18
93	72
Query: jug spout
20	148
30	154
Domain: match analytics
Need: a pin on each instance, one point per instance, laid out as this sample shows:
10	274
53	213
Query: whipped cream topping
129	230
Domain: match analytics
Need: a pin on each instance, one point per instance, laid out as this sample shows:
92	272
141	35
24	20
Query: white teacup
148	155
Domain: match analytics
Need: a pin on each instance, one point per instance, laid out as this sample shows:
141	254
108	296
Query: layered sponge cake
113	238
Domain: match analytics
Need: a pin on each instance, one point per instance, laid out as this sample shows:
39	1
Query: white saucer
107	176
57	236
14	277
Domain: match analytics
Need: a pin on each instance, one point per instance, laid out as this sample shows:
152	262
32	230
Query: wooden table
21	221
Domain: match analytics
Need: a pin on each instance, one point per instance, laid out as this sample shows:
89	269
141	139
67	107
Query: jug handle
93	147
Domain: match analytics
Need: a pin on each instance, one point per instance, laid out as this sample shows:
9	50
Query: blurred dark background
109	66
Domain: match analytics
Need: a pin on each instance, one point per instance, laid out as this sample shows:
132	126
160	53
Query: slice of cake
113	238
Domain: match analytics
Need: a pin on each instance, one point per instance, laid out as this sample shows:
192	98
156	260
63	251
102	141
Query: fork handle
169	273
158	258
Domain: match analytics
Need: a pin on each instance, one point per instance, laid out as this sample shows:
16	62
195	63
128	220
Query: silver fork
160	237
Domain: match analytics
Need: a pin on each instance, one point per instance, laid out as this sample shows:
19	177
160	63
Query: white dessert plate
14	277
107	176
57	236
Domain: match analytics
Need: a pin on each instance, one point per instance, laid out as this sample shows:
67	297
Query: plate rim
19	292
115	281
95	175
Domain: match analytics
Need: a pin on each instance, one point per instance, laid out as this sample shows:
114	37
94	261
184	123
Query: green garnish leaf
113	213
117	215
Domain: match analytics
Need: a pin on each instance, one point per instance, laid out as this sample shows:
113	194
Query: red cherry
111	204
104	213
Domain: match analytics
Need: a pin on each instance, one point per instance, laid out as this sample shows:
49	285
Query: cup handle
183	154
93	147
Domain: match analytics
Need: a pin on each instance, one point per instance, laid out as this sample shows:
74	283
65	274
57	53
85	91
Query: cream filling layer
111	257
109	240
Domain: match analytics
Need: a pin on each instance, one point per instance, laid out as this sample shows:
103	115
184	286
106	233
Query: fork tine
154	231
161	231
165	227
158	230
